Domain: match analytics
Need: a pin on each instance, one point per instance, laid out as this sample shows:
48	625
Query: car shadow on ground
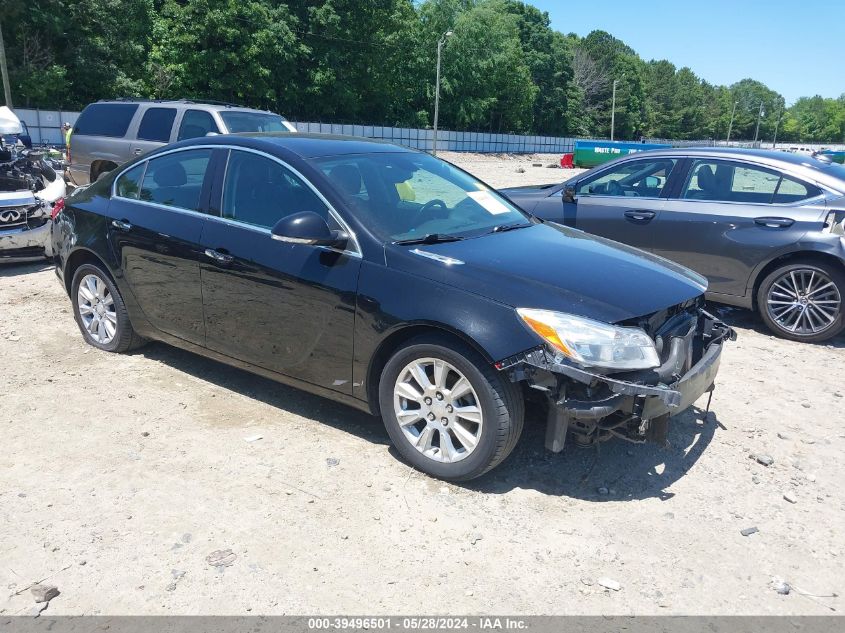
23	268
627	471
611	471
270	392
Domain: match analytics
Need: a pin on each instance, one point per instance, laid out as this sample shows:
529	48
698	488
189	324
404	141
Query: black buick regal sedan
391	281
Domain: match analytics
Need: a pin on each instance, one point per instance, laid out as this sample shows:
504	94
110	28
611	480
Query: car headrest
172	175
722	178
347	177
705	178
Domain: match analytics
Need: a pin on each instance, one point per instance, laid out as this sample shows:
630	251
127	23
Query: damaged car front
614	339
31	193
604	381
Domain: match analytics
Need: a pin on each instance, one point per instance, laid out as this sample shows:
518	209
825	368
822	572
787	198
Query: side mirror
569	192
307	227
652	182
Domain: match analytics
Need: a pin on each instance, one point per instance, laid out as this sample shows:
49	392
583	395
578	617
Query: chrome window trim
799	203
356	252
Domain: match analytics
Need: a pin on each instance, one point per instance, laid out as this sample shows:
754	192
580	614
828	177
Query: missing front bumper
595	406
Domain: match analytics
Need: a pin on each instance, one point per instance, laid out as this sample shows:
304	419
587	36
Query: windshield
409	196
253	122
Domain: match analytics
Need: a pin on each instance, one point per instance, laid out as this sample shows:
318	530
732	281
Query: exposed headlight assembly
835	223
592	343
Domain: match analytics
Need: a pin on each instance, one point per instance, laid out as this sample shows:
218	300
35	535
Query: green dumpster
592	153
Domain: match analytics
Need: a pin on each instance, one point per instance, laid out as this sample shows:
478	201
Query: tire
781	290
500	402
116	333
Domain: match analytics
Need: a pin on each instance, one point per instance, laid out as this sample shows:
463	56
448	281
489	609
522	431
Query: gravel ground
121	475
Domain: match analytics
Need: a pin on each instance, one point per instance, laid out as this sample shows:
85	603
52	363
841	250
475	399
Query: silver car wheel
804	301
96	309
438	410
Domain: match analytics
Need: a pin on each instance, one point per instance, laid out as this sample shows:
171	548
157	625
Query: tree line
504	69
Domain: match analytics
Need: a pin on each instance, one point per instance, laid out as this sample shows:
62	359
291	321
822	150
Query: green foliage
227	50
504	69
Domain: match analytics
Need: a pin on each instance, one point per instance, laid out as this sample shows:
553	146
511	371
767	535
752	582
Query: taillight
58	207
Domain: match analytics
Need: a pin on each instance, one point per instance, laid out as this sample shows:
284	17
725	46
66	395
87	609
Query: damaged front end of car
30	190
597	391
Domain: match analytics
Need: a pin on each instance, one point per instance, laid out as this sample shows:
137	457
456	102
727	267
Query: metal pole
613	110
731	124
777	124
440	44
436	98
759	116
7	91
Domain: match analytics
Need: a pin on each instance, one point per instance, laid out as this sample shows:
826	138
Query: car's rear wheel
448	412
803	301
100	312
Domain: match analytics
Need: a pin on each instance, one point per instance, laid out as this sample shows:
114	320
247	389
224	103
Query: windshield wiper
501	228
430	238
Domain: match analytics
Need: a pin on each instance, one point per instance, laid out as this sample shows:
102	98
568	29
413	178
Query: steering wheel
428	206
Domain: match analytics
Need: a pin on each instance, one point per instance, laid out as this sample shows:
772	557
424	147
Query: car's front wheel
100	312
803	301
449	412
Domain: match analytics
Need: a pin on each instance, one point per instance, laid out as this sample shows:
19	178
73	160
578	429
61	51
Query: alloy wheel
804	301
438	410
97	309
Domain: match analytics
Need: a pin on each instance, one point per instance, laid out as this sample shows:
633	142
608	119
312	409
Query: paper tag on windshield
486	200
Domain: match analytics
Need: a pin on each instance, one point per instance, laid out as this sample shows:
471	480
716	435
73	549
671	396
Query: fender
813	243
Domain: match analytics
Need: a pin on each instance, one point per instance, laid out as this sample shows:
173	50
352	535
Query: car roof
218	105
311	145
796	163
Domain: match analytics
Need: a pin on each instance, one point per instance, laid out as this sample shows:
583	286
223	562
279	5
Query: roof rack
183	100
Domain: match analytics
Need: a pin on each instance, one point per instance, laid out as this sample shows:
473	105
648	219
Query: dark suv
109	133
392	281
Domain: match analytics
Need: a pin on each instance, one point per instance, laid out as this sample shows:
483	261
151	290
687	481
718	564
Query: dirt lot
119	475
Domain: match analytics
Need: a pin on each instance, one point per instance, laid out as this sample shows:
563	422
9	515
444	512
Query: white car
31	193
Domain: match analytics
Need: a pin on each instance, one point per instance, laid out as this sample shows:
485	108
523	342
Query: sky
793	46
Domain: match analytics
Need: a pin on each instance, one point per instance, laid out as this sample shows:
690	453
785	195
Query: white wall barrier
45	127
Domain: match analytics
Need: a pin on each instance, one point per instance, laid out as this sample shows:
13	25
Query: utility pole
731	124
759	116
7	91
440	44
613	109
777	124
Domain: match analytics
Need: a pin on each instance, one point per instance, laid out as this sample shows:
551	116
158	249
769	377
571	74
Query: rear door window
175	180
129	183
196	123
156	124
793	190
260	191
105	119
728	181
643	178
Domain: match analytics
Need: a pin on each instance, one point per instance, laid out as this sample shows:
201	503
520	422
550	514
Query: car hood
552	267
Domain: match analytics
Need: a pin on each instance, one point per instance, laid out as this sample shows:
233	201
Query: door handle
122	225
774	223
220	258
640	216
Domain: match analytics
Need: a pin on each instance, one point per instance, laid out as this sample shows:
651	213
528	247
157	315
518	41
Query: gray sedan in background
766	228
